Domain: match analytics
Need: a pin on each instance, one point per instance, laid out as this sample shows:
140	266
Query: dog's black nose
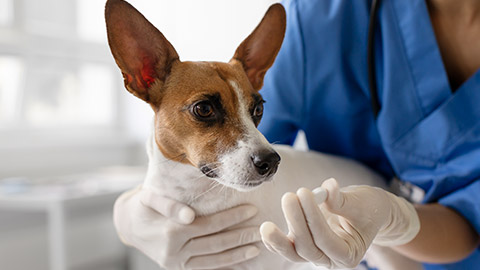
266	162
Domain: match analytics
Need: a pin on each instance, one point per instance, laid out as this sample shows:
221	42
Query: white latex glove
168	232
338	233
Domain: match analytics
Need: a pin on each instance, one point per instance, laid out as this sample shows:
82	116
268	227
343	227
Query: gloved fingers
339	202
324	237
121	213
223	259
277	242
320	195
299	230
222	241
169	208
222	220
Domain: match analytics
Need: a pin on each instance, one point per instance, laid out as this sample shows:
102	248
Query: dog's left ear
258	51
142	53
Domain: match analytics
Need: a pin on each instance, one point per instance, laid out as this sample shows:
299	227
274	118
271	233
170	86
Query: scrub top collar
422	51
423	124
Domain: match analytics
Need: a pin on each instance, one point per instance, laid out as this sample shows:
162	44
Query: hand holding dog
168	232
338	233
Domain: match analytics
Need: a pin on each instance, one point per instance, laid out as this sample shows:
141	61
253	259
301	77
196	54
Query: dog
205	149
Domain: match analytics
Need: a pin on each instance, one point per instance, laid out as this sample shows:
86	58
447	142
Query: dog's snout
266	162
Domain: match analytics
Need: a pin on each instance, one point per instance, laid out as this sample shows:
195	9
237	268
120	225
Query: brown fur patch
179	135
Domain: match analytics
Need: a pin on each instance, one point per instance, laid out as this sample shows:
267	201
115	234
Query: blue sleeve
466	202
284	85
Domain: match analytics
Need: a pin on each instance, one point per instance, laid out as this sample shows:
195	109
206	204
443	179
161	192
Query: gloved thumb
339	202
365	207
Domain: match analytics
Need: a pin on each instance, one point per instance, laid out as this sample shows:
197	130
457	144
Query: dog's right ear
143	54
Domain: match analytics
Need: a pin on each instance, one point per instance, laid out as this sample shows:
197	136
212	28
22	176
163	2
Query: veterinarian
410	110
426	133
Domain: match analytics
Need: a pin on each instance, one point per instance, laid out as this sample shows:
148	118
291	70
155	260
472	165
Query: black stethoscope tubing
372	82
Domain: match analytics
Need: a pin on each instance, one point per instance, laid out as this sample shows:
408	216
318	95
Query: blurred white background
71	135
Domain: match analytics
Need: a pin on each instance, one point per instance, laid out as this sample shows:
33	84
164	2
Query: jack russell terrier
204	149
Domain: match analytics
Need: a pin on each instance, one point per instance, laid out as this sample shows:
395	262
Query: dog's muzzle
263	164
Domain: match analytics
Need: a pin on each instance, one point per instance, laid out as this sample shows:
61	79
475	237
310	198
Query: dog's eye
203	110
258	111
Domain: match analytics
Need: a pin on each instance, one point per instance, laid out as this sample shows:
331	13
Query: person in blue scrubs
427	133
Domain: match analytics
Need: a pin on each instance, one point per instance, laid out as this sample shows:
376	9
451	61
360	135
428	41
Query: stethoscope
372	82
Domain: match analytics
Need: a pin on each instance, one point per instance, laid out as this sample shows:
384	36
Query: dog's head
206	113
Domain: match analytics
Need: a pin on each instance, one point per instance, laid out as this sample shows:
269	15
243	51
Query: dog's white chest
298	169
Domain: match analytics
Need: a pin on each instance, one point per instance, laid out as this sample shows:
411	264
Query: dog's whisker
203	176
198	178
213	164
181	160
213	186
214	170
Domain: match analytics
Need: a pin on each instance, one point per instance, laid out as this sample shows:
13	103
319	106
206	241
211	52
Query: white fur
236	165
187	184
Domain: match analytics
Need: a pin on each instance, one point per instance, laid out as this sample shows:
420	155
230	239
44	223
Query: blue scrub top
425	133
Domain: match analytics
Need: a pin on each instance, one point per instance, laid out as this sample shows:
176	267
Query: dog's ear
258	51
143	54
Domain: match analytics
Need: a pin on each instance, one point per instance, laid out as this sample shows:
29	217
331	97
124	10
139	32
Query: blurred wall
64	110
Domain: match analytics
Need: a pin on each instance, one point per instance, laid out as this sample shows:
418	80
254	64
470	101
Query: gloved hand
338	233
168	232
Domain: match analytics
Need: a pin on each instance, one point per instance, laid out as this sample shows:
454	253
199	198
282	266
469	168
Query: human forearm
444	237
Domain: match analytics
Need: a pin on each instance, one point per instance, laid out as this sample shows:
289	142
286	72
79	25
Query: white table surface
53	195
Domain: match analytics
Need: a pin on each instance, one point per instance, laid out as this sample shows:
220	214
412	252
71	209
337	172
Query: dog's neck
186	183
